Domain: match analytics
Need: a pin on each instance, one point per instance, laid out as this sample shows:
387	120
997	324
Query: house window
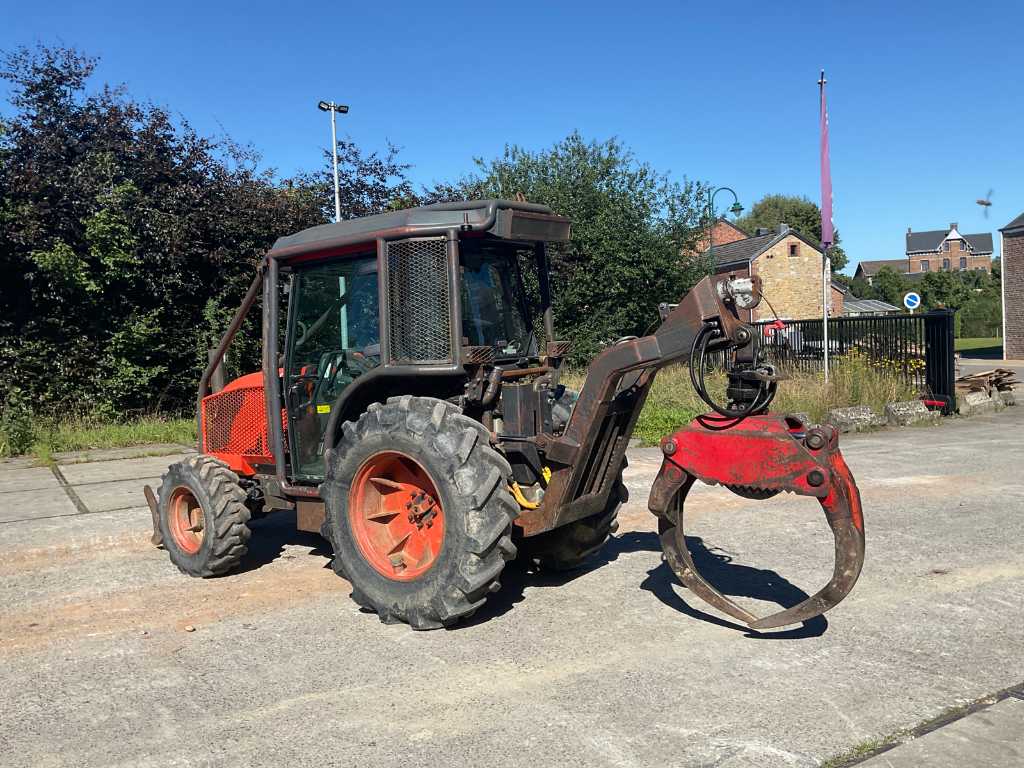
925	267
792	249
945	245
945	265
963	262
962	246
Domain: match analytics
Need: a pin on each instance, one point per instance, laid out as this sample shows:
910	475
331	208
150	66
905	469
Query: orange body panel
235	425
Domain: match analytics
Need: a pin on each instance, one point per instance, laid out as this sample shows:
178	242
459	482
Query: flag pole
826	223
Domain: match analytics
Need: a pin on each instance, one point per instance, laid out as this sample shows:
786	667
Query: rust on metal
762	454
309	515
587	456
157	539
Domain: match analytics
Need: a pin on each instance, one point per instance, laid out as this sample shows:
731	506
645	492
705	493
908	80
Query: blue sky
925	105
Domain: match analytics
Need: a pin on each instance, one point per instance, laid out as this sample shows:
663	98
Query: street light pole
334	109
736	209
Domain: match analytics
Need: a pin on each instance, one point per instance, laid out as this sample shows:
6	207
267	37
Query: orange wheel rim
186	520
396	516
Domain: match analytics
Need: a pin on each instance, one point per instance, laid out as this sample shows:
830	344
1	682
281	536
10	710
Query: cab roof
509	219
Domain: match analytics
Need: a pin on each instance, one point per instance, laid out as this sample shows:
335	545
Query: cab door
333	337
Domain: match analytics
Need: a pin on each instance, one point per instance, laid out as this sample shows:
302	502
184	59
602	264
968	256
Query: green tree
127	239
630	224
889	286
944	290
801	214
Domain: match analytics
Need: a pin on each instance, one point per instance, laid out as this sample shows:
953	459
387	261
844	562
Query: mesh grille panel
234	422
419	293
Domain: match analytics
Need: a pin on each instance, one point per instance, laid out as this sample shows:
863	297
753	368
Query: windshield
493	307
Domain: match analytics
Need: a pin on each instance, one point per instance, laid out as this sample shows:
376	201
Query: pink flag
826	173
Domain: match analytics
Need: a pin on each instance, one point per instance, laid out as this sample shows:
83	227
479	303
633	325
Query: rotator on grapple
417	422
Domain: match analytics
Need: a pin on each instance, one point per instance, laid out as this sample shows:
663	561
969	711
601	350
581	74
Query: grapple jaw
758	458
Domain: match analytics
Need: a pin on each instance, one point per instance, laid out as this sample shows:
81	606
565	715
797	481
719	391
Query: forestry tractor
414	417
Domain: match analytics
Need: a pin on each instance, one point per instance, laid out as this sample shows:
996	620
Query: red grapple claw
767	453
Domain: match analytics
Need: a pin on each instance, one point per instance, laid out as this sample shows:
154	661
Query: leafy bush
17	429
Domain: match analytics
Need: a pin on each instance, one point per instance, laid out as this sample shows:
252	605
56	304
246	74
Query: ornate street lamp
735	209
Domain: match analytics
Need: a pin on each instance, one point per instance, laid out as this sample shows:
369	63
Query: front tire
409	462
204	520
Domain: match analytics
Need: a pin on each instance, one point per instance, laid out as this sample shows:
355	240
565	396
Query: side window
333	338
963	262
925	266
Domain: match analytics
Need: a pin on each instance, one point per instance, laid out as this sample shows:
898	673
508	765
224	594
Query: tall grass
853	380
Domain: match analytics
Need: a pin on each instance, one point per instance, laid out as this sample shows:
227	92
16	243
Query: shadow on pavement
733	580
271	534
717	567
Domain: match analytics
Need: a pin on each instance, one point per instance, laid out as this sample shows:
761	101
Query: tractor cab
414	301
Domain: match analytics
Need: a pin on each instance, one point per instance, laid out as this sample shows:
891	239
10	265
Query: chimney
954	225
783	229
761	231
909	230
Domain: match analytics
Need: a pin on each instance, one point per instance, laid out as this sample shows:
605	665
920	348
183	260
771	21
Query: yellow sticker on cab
323	409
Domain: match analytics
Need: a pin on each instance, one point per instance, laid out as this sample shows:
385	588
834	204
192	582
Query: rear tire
570	546
203	517
470	481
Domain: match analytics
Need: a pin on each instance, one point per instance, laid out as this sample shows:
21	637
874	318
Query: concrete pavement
614	666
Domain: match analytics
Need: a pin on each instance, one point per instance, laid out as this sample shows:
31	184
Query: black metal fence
917	347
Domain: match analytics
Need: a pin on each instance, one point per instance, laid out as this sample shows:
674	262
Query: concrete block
854	419
973	403
905	413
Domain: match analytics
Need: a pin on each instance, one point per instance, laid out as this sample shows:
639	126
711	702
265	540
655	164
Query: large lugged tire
570	546
203	516
418	512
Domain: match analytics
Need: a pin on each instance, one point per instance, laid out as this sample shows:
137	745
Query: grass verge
85	433
854	380
991	345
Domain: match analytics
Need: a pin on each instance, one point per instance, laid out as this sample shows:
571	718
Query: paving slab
118	494
992	737
119	469
131	452
26	479
29	505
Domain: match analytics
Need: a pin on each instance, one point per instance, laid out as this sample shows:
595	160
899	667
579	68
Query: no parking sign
912	300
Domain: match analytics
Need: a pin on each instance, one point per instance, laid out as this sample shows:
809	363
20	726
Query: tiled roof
932	241
1015	224
871	268
742	250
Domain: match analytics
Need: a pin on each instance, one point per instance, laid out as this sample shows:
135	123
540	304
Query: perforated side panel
234	422
419	295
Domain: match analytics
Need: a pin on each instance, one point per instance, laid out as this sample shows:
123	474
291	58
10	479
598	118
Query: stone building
789	266
1012	261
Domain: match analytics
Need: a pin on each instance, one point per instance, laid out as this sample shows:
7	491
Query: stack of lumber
996	380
